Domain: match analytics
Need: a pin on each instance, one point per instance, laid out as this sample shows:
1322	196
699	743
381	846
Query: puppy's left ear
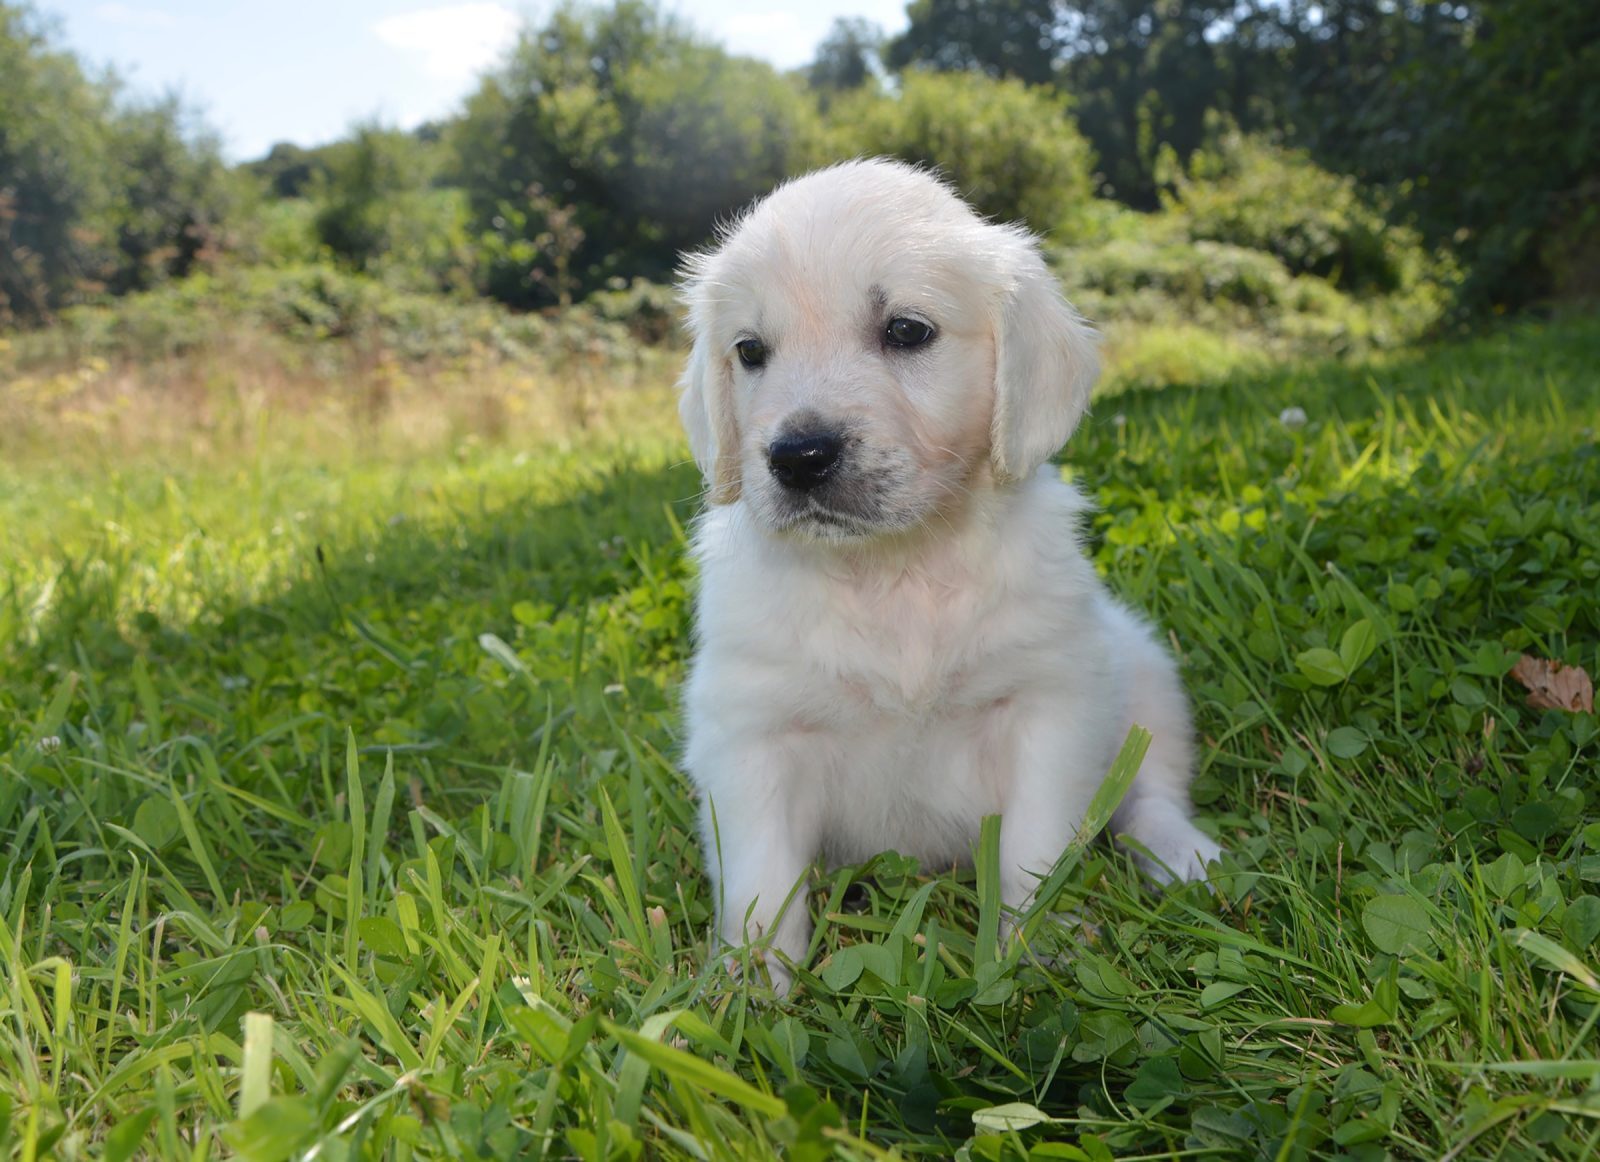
1045	367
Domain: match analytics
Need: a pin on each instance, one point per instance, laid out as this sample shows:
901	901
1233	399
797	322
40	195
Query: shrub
648	310
322	312
1247	192
1147	281
307	304
282	232
1205	283
1012	150
378	212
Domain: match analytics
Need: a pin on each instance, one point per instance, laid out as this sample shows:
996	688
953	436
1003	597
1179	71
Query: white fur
884	666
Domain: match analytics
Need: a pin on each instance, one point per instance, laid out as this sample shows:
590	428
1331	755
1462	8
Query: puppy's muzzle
803	462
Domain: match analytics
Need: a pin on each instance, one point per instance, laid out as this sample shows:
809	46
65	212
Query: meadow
342	816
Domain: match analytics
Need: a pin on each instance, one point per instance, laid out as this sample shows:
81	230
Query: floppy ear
1045	366
705	404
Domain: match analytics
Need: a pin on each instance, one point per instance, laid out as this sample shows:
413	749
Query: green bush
321	308
1012	150
1247	192
282	232
378	211
1146	275
1211	284
648	310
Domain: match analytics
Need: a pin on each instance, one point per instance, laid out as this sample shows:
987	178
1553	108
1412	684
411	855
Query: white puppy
898	632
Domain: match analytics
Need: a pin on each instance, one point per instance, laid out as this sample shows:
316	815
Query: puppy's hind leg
1178	850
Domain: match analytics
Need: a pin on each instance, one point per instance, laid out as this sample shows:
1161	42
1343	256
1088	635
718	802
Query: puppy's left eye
904	332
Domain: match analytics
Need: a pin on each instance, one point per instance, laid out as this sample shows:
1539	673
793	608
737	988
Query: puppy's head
868	351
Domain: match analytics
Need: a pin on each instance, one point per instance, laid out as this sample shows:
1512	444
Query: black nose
803	462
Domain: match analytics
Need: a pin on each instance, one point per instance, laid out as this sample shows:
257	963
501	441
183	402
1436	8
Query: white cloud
455	42
752	26
776	36
785	33
131	17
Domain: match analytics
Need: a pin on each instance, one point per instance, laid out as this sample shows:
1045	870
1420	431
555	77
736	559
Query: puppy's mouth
856	505
811	516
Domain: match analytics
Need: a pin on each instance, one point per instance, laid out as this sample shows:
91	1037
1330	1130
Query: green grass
342	818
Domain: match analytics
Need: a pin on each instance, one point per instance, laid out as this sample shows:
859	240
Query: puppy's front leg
1058	765
759	842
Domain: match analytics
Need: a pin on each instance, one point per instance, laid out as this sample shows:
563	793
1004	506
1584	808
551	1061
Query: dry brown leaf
1555	685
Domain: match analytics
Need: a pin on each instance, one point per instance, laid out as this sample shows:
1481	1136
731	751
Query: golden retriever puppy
897	631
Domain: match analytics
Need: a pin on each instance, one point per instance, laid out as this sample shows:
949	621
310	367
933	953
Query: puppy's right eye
904	332
752	353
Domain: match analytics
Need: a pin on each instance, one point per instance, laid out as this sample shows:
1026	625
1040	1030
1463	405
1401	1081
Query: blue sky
301	71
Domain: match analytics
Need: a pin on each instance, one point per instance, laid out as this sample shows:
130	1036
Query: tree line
612	137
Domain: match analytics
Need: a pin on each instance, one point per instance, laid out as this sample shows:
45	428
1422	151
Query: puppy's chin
816	524
846	517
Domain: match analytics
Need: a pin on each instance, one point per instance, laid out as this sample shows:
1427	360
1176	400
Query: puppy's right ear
705	404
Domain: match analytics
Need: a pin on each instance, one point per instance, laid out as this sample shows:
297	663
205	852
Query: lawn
342	817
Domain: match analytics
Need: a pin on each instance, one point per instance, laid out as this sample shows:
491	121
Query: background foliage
97	193
612	137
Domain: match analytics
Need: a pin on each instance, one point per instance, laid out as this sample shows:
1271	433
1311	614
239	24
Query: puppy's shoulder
1046	514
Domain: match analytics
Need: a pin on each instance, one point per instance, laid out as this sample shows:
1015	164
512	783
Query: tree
1003	38
1143	74
172	195
96	193
379	210
53	171
365	176
1482	118
647	132
848	58
1510	151
288	170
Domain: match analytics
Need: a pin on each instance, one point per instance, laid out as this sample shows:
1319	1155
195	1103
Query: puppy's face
868	351
861	377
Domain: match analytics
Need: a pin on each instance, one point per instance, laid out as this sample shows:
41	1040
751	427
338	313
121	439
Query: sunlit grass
338	779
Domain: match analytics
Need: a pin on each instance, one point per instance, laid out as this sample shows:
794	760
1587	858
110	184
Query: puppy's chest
915	649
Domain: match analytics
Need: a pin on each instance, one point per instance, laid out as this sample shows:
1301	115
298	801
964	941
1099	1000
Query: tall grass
338	775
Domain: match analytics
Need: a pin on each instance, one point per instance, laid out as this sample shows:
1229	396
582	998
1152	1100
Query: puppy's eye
904	332
752	353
